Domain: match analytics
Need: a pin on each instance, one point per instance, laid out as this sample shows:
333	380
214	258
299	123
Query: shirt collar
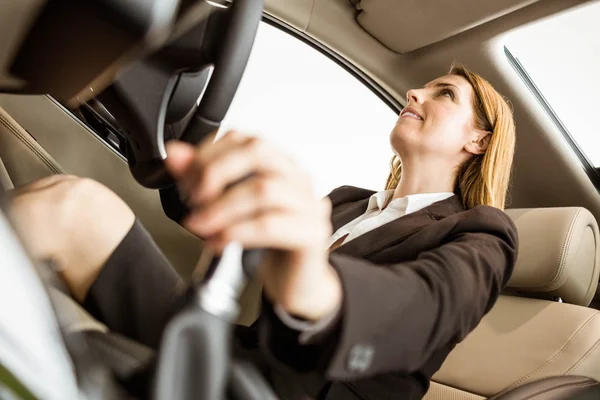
378	200
409	204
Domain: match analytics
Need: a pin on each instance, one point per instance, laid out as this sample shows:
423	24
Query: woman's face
438	123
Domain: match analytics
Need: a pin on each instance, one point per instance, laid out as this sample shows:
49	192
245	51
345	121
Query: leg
107	259
137	290
76	222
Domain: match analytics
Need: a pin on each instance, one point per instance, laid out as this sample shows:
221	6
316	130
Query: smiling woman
481	170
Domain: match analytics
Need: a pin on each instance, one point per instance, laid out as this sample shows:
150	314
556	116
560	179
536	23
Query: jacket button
360	358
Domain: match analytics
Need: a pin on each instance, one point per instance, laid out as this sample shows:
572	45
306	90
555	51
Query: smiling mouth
410	112
412	115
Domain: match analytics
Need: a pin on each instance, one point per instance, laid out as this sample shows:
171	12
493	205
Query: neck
418	179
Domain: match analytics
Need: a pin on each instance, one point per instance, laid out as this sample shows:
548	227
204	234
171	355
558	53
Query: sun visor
407	25
72	49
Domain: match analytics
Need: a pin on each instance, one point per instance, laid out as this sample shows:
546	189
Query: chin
402	139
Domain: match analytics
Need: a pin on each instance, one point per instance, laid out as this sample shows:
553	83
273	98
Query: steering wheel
155	93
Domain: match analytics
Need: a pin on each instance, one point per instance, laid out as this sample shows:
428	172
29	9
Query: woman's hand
272	208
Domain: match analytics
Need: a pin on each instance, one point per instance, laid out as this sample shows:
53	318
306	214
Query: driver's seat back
530	334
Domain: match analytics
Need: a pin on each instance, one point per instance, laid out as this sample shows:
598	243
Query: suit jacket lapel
387	234
348	205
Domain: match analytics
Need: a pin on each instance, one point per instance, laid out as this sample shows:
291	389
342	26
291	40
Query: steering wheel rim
228	69
151	95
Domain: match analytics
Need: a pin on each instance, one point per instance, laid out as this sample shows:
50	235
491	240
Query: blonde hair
482	179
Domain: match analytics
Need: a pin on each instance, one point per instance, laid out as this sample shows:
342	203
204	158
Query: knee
65	211
77	222
69	202
84	200
94	218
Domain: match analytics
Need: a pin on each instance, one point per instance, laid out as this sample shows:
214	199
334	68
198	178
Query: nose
414	96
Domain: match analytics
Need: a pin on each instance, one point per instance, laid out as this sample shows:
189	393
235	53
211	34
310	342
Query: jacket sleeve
394	317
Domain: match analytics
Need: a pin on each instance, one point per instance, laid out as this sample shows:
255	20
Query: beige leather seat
530	334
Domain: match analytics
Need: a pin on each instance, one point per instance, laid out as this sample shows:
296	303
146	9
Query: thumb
180	156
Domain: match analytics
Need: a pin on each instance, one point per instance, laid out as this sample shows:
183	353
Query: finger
179	159
233	165
189	168
208	150
276	230
178	153
243	201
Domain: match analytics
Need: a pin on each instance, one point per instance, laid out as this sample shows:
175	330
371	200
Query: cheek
445	133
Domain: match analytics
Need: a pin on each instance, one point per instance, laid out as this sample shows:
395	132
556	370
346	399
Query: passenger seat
541	327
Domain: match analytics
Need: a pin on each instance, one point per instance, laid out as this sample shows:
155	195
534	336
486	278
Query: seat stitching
565	247
566	345
582	359
7	123
561	264
459	389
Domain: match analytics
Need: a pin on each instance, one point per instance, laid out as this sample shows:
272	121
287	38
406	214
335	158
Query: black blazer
413	288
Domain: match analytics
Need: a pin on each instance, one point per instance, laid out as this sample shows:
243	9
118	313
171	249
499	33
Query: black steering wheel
157	98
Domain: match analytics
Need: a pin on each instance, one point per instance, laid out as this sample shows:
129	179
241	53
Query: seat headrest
558	254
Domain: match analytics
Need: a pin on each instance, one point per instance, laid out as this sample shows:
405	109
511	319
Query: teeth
410	113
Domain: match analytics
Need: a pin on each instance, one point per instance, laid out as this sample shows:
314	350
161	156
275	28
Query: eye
447	92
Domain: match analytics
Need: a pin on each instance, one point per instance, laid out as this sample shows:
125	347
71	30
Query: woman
372	306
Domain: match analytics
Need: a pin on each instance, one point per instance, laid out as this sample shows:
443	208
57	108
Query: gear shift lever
195	356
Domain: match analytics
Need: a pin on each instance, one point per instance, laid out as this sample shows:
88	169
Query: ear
479	142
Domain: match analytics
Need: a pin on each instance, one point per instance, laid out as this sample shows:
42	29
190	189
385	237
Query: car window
558	58
333	125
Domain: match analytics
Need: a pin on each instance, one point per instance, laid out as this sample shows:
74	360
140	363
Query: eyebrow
444	84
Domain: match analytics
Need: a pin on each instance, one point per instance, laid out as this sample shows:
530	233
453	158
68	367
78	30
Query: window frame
592	172
363	78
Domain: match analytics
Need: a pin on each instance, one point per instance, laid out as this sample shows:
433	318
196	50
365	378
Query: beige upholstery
524	339
558	254
402	27
521	340
23	158
443	392
5	180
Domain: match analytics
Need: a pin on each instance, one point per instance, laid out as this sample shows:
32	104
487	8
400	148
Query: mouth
409	112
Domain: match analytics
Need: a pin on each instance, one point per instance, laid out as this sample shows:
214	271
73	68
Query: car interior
546	323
